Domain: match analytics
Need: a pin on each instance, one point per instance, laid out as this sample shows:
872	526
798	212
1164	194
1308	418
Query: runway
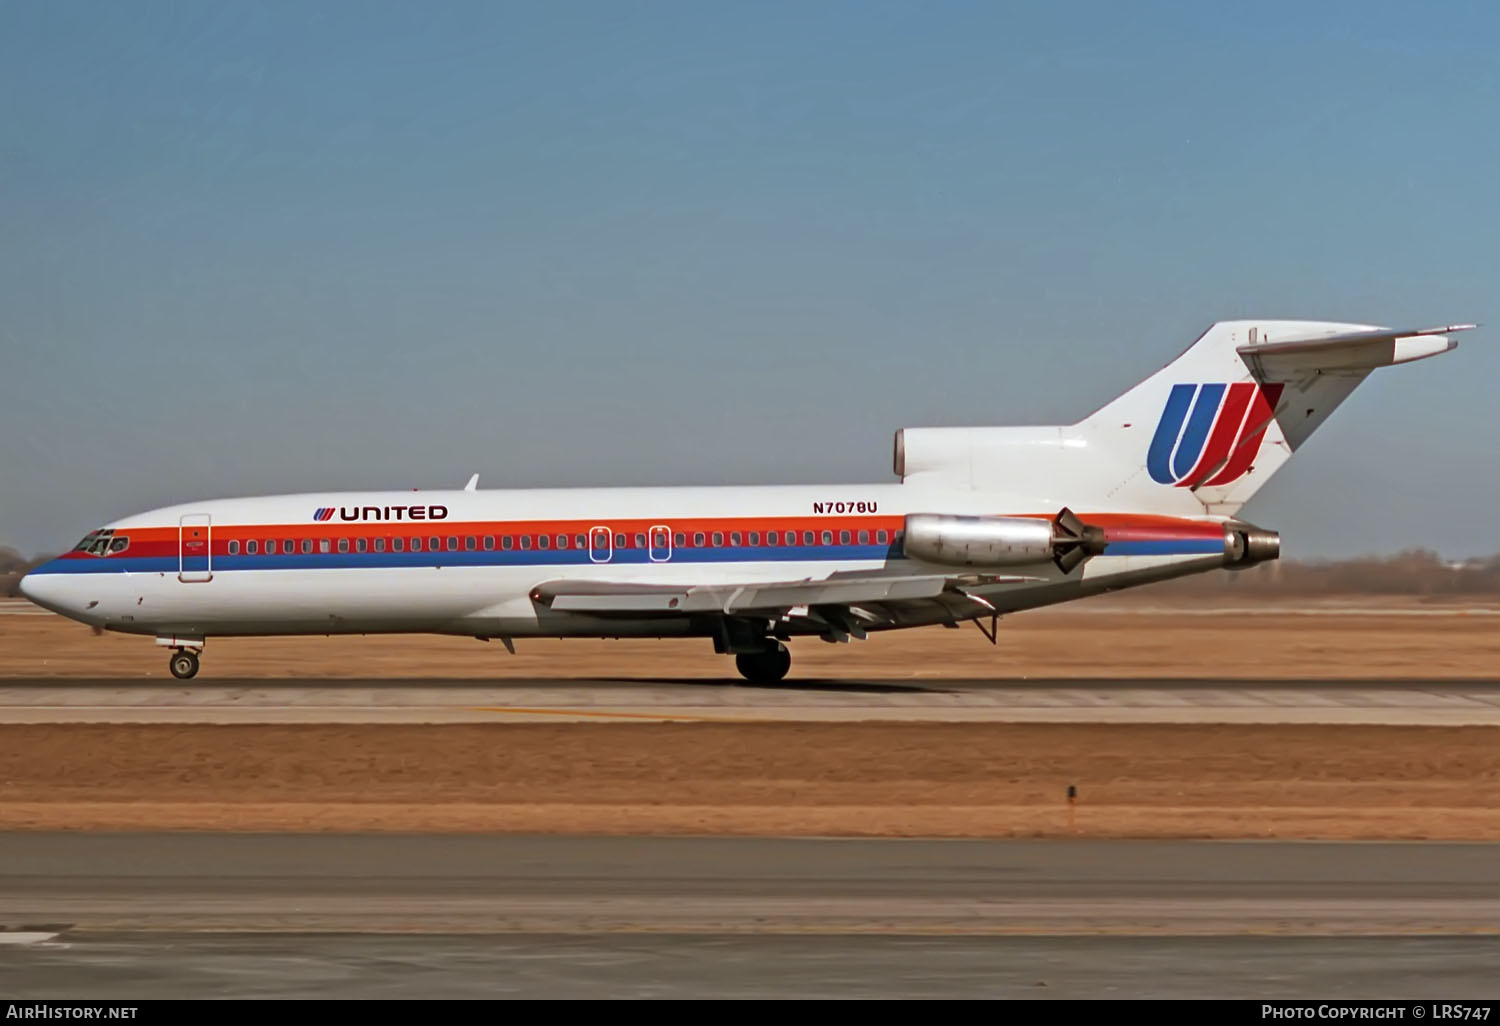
182	915
614	966
498	884
517	700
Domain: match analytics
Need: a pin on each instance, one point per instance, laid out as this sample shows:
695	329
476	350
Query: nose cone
48	590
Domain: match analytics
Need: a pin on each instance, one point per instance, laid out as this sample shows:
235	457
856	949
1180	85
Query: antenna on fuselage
473	483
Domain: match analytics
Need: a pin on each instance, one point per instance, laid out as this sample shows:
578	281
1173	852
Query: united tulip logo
1210	434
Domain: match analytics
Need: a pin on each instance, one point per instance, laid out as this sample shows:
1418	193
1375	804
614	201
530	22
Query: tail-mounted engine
988	542
1245	545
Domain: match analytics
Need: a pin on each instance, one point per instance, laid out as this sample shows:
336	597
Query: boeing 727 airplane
984	521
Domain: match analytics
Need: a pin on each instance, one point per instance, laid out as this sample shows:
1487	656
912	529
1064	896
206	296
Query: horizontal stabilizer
1356	350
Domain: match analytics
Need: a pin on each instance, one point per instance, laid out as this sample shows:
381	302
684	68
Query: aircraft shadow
798	684
903	685
207	682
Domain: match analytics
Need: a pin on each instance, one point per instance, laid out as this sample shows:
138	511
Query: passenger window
843	537
506	542
416	544
250	547
562	541
698	539
398	544
306	546
579	542
827	538
880	537
640	541
543	541
359	544
234	548
323	544
754	537
525	541
619	541
718	538
469	543
807	537
379	544
864	537
434	544
489	542
772	538
452	543
679	539
734	539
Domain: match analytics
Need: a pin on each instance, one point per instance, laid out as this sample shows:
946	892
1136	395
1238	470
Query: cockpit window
103	543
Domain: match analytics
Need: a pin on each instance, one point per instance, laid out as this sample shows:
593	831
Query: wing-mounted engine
988	542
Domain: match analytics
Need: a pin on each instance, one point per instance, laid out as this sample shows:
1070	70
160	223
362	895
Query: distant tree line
1413	572
12	566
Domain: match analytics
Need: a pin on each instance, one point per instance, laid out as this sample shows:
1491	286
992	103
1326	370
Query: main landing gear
183	664
766	666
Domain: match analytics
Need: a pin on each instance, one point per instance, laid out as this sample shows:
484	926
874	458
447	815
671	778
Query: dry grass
880	779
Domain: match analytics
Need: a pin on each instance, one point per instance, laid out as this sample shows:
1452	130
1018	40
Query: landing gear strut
764	667
183	664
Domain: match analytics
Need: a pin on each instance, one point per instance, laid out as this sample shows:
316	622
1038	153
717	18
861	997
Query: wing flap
612	598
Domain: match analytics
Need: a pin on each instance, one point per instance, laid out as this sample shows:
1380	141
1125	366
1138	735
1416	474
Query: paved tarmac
393	966
499	884
202	915
1086	700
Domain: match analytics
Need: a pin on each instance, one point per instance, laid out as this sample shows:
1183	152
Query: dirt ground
883	779
1402	639
880	779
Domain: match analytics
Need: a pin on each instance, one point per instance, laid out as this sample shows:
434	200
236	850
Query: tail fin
1218	421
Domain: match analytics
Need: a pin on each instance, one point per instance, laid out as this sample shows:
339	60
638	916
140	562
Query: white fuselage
469	563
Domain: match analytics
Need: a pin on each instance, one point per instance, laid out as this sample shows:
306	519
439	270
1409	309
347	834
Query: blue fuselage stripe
1167	547
557	557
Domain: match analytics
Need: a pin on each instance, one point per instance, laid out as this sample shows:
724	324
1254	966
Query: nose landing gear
185	649
183	664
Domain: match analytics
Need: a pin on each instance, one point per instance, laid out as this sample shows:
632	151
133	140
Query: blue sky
305	246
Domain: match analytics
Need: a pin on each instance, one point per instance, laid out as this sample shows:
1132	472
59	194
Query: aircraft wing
836	607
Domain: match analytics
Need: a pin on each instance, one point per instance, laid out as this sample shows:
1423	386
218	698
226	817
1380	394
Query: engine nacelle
978	541
1245	545
987	542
